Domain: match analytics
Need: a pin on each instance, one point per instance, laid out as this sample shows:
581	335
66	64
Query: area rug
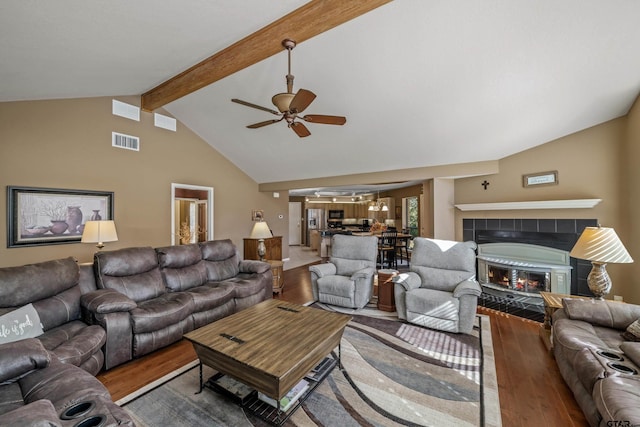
394	374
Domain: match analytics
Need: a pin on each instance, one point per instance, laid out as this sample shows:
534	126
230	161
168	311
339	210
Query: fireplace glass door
521	280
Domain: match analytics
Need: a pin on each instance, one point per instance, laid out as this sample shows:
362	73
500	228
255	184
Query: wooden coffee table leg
201	383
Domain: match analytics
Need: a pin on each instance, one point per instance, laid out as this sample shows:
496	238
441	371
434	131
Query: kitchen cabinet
273	245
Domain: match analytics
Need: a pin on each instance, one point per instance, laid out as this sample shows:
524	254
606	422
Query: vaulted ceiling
421	82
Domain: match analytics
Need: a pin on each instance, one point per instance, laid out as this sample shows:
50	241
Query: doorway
191	214
295	223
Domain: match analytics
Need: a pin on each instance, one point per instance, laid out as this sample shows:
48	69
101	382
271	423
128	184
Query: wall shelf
539	204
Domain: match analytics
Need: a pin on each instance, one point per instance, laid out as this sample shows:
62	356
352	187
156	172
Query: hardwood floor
531	390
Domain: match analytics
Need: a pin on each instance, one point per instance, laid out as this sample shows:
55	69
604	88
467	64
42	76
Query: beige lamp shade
99	232
260	231
600	244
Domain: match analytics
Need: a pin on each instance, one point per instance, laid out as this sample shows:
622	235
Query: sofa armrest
253	266
18	358
467	287
408	281
40	413
105	301
325	269
365	273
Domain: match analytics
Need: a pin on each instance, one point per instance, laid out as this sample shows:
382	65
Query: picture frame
257	215
51	216
540	178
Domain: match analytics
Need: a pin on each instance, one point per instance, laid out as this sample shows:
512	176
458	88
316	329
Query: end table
386	298
278	275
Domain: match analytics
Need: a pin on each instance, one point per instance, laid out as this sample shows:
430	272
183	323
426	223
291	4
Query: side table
552	302
278	275
386	298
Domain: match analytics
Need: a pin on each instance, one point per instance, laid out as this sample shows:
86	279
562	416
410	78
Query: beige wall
631	201
589	167
67	144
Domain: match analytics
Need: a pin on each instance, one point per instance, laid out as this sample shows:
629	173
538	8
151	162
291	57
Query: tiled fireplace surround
556	233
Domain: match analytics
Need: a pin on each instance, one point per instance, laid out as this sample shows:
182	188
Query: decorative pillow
632	333
19	324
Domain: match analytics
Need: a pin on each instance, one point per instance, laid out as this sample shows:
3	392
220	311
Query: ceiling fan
290	105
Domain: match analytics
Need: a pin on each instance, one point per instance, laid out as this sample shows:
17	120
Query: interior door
295	223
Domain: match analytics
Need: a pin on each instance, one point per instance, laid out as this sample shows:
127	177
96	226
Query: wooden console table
273	245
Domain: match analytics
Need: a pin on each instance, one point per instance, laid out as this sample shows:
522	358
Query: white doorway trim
209	203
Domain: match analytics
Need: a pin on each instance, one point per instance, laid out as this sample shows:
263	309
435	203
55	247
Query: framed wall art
49	216
257	215
541	178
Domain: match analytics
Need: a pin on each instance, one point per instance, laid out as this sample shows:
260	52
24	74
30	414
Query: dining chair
387	249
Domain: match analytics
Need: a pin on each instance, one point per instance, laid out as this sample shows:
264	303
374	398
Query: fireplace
535	258
516	273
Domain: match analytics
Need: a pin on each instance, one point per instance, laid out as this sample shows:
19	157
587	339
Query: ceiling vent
128	142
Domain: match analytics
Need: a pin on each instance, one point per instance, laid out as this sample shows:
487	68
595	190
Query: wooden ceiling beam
307	21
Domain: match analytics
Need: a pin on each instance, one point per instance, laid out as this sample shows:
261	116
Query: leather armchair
347	279
440	291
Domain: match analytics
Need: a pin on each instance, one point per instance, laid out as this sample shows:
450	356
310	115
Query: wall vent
128	142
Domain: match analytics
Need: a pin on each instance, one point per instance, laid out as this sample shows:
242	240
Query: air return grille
128	142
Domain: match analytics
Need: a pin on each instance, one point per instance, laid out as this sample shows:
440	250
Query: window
410	211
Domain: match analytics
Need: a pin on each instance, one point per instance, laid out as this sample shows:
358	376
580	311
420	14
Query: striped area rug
394	374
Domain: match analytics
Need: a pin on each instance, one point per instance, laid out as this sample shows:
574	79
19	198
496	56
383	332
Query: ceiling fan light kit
290	104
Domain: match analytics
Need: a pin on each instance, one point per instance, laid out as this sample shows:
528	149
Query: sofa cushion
33	282
182	267
20	324
632	351
179	256
221	258
138	287
610	314
59	309
248	284
158	313
211	295
184	278
80	343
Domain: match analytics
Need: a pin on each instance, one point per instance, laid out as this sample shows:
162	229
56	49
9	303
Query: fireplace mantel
538	204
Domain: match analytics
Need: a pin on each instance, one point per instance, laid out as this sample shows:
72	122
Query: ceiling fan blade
300	129
248	104
301	101
265	123
327	120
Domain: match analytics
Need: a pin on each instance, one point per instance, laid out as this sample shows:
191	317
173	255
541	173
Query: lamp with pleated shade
600	245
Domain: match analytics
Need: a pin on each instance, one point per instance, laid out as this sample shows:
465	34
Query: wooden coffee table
270	346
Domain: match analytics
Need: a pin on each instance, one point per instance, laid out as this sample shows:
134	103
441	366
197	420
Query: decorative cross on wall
485	184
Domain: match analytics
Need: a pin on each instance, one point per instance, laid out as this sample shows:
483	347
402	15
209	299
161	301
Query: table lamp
600	245
99	232
261	231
